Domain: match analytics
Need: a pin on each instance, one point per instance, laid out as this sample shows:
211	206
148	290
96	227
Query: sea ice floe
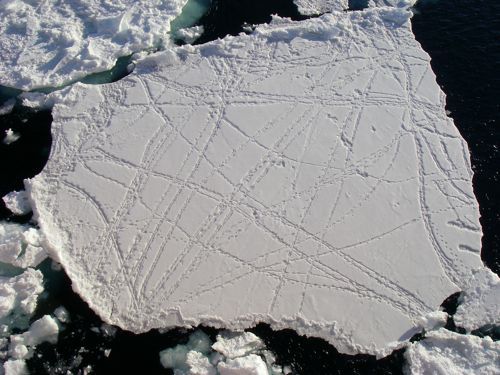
51	43
443	352
480	302
305	175
17	202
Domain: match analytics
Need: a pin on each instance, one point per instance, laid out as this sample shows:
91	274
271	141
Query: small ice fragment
62	314
238	345
433	320
10	137
174	357
108	330
199	341
480	301
199	364
7	107
44	329
21	245
446	352
189	34
249	365
19	294
17	202
15	367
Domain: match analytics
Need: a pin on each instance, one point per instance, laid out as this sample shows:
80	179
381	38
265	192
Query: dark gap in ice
229	17
490	330
307	355
450	306
461	36
25	157
7	93
83	342
358	4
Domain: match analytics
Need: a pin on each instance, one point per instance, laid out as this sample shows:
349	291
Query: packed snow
232	354
480	302
443	352
51	43
305	175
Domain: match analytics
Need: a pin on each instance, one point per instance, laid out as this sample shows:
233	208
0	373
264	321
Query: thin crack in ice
305	175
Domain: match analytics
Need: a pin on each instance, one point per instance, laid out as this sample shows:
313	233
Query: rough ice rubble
51	43
232	353
313	7
19	295
42	330
480	302
21	245
443	352
17	202
245	180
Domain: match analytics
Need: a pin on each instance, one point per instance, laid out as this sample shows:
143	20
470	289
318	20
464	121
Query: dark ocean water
463	39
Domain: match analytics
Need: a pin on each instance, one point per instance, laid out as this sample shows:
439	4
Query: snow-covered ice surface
50	43
305	175
480	304
447	353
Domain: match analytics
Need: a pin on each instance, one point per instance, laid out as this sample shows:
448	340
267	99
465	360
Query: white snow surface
305	175
443	352
50	43
480	303
17	202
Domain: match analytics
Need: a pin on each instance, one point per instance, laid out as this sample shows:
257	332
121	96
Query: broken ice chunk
480	302
17	202
19	295
21	245
446	352
10	137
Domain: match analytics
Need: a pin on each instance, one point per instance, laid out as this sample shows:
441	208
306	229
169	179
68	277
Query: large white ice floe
305	175
443	352
480	302
49	43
